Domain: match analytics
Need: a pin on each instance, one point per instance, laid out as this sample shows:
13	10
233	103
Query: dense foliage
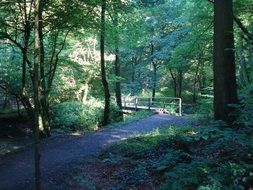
204	157
69	63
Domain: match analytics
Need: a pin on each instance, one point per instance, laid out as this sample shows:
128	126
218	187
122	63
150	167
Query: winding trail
60	154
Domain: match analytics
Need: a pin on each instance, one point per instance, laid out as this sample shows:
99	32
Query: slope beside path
61	154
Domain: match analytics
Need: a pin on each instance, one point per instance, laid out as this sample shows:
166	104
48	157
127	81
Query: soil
59	155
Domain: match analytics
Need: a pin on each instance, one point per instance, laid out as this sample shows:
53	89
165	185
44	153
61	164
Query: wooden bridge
166	105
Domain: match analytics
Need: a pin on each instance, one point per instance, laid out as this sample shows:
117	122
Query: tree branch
241	26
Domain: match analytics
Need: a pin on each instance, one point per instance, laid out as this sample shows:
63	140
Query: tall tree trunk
180	81
174	79
133	72
36	97
225	89
103	71
244	75
27	32
117	73
85	91
195	82
117	65
154	78
44	106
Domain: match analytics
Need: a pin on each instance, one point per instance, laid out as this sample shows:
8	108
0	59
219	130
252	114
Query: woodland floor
61	154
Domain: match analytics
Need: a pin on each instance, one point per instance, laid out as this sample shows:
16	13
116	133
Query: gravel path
61	154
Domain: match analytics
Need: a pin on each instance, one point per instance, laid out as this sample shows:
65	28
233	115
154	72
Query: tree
37	31
103	71
55	25
225	89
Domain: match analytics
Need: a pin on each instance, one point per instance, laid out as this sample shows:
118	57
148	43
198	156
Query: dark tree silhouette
103	71
225	89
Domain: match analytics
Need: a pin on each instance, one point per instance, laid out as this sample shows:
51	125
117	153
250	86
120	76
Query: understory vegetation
203	158
72	65
77	116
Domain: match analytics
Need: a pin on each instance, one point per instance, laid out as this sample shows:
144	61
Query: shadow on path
60	155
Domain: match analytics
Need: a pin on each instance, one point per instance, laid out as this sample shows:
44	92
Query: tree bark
103	71
154	78
44	106
174	79
36	97
225	89
117	65
180	82
117	73
244	75
195	82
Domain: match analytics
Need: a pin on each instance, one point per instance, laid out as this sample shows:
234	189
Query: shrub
246	108
75	115
205	105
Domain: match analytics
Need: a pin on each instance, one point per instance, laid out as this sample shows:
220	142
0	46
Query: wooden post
136	103
180	107
149	103
124	102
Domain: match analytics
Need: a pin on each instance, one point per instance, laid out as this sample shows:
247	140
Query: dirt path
61	154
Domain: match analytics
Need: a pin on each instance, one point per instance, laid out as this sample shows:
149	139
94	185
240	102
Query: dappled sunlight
139	80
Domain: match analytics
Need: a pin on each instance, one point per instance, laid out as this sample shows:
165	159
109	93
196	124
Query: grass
177	158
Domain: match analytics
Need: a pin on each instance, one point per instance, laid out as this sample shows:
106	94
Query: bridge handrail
135	100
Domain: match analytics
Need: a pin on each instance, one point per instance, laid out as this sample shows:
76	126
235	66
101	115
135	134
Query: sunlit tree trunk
117	65
103	71
44	105
36	96
225	89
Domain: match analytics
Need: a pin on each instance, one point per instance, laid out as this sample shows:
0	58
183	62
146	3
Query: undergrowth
181	158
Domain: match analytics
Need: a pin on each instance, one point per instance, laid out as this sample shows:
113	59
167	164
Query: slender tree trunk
154	78
174	79
225	89
180	81
195	82
103	71
244	75
27	33
117	73
85	91
133	72
36	97
44	106
202	78
154	81
117	65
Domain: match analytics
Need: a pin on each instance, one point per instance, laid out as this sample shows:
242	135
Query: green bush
246	108
115	113
75	115
187	158
205	105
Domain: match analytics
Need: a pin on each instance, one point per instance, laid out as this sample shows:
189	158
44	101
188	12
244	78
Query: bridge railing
168	104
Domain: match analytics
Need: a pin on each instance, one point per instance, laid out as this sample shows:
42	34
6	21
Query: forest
73	73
